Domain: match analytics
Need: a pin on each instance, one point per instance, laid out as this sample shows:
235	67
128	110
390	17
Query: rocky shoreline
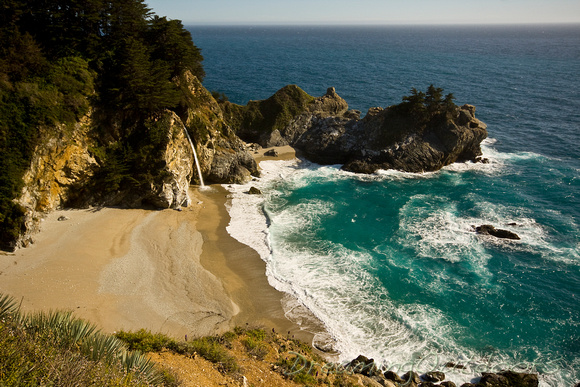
367	367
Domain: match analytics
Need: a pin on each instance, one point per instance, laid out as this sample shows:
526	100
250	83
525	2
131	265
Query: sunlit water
390	262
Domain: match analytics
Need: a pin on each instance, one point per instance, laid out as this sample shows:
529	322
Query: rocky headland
414	136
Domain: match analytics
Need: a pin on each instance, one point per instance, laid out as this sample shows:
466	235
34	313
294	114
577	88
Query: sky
227	12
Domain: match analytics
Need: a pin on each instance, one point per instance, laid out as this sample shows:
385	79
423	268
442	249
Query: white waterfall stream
195	157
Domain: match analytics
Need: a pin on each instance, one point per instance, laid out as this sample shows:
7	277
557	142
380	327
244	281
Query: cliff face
328	133
59	164
223	156
67	168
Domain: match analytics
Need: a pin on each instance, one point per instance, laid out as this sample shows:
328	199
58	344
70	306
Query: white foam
335	283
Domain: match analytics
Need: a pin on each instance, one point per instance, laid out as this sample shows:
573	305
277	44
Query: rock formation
326	132
223	156
67	167
487	229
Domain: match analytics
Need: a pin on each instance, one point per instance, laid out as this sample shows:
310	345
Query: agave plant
8	307
62	329
135	361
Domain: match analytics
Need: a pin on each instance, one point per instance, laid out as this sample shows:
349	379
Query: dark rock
390	375
447	383
62	218
412	378
254	191
427	384
434	376
380	379
271	153
488	229
364	366
468	385
508	379
454	365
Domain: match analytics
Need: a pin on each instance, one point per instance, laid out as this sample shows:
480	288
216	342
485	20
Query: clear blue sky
368	11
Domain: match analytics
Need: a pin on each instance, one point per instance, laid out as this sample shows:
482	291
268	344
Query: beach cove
175	272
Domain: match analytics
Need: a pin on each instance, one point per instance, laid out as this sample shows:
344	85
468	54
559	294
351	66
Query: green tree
172	44
433	99
137	84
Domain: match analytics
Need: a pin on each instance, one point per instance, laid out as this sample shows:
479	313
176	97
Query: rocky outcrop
508	379
487	229
326	132
367	367
387	139
224	158
170	188
281	119
60	164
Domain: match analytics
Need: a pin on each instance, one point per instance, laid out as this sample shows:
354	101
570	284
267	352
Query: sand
175	272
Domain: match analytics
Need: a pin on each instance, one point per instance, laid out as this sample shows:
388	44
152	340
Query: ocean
389	262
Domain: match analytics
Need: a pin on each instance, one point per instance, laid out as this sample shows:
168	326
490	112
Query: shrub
145	341
210	349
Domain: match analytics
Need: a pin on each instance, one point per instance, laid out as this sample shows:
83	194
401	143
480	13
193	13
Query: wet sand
176	272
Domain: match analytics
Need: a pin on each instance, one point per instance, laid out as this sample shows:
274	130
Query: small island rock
488	229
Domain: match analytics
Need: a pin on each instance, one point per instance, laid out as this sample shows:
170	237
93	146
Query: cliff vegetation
94	98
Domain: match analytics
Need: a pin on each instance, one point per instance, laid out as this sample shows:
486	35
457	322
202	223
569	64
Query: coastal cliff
415	136
78	165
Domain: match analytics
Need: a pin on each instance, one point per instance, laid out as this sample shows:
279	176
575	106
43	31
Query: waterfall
195	157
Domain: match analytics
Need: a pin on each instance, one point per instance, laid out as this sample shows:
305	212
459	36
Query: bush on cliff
416	112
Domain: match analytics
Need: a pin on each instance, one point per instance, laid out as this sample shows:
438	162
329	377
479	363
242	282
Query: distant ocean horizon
389	262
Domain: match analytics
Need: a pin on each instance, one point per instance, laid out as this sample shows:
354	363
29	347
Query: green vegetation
62	58
267	115
425	106
56	348
417	111
255	344
210	348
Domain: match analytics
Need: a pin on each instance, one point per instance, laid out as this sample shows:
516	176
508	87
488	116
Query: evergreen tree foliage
424	106
60	58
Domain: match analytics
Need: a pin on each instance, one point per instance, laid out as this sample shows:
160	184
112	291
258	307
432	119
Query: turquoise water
389	262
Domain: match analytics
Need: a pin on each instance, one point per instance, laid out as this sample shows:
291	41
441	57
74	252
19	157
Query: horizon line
374	24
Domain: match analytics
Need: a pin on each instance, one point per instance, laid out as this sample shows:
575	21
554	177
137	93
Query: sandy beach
176	272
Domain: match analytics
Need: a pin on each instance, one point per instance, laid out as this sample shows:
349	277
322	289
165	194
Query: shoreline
241	269
175	272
